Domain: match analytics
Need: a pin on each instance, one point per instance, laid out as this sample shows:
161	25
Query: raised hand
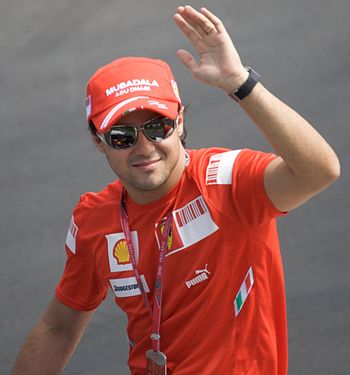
218	61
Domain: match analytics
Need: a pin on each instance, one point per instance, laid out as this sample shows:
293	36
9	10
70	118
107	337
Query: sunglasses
121	136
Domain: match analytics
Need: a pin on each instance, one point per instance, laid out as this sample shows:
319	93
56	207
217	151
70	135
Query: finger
197	20
187	59
192	24
183	22
213	19
188	30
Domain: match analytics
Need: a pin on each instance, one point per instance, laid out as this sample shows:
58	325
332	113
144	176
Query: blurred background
49	49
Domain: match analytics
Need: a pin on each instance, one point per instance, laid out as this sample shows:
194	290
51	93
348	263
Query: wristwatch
245	89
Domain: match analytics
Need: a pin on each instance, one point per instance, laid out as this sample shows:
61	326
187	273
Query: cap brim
105	120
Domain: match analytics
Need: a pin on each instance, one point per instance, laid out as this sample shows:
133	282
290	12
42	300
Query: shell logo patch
121	252
118	253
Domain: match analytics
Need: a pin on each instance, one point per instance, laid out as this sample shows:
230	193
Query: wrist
232	84
246	87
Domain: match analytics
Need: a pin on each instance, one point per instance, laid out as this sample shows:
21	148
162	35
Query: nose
143	144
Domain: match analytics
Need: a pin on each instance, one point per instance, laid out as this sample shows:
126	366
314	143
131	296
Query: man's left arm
306	163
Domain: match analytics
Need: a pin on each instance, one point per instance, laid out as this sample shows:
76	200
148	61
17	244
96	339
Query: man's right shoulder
101	200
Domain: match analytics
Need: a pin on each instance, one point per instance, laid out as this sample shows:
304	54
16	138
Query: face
147	170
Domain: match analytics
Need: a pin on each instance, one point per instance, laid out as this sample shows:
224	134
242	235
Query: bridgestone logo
198	279
128	286
125	287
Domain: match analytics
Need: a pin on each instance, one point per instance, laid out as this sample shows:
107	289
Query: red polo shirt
223	300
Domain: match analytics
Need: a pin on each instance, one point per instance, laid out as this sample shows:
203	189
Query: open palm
218	61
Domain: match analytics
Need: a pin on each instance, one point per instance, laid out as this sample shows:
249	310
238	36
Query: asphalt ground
48	50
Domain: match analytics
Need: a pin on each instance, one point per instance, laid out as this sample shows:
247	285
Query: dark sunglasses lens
160	130
123	137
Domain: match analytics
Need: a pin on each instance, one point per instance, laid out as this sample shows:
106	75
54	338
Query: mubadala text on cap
132	83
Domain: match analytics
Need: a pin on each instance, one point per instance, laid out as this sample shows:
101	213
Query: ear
97	142
180	122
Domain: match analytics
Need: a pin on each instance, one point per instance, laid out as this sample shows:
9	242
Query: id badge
156	363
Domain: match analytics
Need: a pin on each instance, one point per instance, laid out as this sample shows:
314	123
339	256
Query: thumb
187	59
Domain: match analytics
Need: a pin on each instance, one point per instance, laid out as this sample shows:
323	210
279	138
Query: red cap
128	84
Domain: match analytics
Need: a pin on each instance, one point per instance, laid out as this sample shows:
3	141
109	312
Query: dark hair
93	130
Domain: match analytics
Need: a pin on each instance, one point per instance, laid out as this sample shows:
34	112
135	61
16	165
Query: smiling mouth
145	163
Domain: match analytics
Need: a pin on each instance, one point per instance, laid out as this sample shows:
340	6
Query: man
185	239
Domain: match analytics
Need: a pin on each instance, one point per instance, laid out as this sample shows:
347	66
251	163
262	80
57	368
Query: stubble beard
152	183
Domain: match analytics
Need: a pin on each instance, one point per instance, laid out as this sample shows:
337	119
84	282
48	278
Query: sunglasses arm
102	138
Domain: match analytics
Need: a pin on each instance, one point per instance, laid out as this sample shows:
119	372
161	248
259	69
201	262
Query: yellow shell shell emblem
170	237
121	252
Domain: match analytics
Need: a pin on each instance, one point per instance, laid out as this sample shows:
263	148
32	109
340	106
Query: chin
148	184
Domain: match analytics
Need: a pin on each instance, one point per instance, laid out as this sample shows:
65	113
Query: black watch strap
244	90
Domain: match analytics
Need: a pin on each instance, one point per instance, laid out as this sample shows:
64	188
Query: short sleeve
248	191
233	181
80	286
